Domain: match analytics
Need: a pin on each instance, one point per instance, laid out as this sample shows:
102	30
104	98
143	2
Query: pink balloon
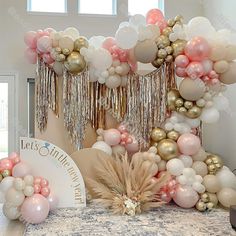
195	70
44	182
6	164
35	209
47	58
181	72
45	191
185	196
37	188
30	39
122	129
37	180
197	49
112	137
162	24
14	157
132	147
21	170
189	144
108	43
153	16
31	55
181	61
49	30
40	33
207	66
53	201
44	44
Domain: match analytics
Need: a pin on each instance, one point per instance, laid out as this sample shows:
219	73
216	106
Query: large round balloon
75	63
102	59
229	77
145	51
192	90
227	197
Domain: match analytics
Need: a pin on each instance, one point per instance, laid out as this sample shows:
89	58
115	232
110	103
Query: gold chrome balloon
1	178
179	18
171	22
6	173
194	112
172	96
169	58
158	134
214	164
167	149
174	135
201	206
188	104
169	50
178	47
163	41
179	102
81	42
75	63
162	54
167	31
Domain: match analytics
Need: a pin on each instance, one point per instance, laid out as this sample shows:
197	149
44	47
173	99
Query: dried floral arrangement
128	186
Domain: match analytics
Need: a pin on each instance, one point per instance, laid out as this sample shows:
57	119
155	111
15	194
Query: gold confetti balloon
158	134
75	63
81	42
167	149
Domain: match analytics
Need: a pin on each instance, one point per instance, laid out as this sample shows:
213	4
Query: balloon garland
100	74
27	198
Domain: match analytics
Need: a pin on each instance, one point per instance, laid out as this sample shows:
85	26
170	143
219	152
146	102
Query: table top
167	220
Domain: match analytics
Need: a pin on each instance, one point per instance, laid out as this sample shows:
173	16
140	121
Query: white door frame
12	108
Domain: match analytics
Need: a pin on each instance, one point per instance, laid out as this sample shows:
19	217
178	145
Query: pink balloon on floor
112	137
197	49
21	170
35	209
189	144
185	196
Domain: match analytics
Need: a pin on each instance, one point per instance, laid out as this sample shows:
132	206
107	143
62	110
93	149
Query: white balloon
182	180
102	59
116	63
194	123
226	178
101	80
29	180
189	172
198	178
29	191
125	68
2	198
105	74
11	212
210	115
58	68
126	37
72	32
155	31
124	80
113	81
137	20
124	24
16	198
221	103
19	184
96	41
198	187
92	74
187	160
175	167
6	184
207	65
101	145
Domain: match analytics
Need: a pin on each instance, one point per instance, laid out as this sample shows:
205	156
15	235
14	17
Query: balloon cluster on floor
27	198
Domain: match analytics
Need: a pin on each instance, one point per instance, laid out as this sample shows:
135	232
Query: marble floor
10	228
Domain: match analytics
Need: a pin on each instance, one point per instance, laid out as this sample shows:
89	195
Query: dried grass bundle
126	187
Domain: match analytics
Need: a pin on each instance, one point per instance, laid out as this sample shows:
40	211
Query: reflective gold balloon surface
171	22
6	173
169	49
188	104
158	134
167	149
174	135
167	31
194	112
178	47
162	54
201	206
214	164
179	102
75	63
163	41
66	51
182	110
172	96
1	178
80	43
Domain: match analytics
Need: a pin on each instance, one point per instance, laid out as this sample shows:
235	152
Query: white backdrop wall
15	21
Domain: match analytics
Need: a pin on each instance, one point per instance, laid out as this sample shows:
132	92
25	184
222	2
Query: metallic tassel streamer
46	93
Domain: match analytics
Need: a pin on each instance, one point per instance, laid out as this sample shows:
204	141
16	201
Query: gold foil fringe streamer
46	93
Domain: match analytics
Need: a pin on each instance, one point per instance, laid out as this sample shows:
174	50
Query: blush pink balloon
162	24
132	147
195	70
21	170
189	144
6	164
44	44
30	39
122	128
181	61
37	180
40	33
53	201
47	58
207	65
181	72
153	16
45	191
14	157
49	30
197	49
37	188
112	137
108	43
31	55
35	209
185	196
44	182
166	197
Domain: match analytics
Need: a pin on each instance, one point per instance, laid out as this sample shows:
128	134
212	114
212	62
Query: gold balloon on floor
81	42
75	63
167	149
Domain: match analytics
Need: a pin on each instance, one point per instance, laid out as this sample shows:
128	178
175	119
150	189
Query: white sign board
50	162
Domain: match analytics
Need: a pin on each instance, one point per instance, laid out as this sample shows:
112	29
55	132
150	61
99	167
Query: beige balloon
58	68
201	155
200	167
145	51
211	183
221	66
192	90
162	165
229	77
227	197
218	52
230	53
118	150
213	198
66	42
75	63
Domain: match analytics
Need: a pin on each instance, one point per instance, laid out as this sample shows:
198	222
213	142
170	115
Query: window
143	6
104	7
55	6
7	115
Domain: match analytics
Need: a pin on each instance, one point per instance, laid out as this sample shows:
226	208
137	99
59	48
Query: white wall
221	137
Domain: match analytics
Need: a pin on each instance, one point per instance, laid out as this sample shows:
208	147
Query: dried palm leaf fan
126	187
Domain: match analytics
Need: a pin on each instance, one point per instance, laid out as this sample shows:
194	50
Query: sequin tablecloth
167	220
